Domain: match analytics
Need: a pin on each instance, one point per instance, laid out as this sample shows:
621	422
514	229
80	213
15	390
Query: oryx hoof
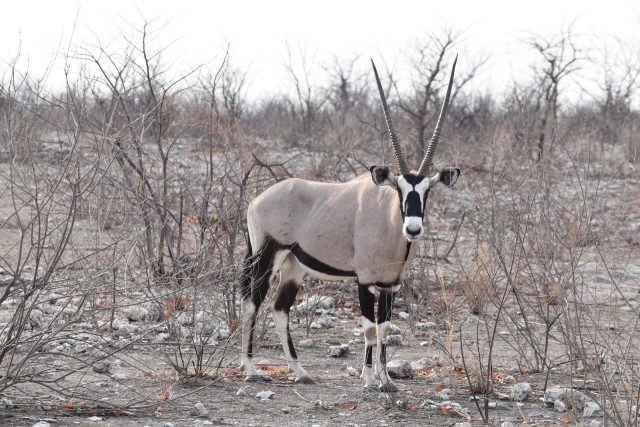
304	380
257	378
388	388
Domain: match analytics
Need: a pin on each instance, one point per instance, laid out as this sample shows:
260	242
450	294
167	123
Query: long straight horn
397	149
433	143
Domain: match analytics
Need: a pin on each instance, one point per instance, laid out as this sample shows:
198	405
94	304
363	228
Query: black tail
247	273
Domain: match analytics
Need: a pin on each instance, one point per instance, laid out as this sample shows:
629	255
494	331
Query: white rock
442	394
568	396
507	424
559	405
161	337
426	325
595	423
119	322
42	424
125	331
352	371
265	395
36	318
341	350
463	424
305	343
404	315
241	392
509	379
520	392
392	329
6	403
313	303
135	313
418	365
183	319
357	332
199	410
101	367
119	376
432	377
399	369
394	340
95	418
592	410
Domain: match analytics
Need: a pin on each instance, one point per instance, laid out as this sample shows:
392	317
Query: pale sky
258	30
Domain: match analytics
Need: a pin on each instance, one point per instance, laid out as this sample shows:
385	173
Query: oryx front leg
385	305
367	307
290	276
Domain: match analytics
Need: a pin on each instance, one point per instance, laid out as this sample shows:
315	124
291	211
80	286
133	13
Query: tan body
352	226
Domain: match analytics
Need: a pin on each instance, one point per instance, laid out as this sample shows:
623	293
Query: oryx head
413	188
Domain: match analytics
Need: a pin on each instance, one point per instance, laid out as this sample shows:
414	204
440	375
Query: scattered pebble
135	313
392	329
119	376
305	343
418	365
520	392
509	379
313	303
286	410
592	410
241	392
442	394
265	395
125	331
399	369
95	418
36	318
394	340
101	367
199	410
6	403
341	350
352	371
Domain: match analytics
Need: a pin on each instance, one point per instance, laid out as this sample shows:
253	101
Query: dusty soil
141	387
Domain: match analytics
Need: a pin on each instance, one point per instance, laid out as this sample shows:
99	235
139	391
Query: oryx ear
446	178
381	175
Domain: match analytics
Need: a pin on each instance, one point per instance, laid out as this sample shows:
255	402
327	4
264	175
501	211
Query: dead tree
429	67
559	57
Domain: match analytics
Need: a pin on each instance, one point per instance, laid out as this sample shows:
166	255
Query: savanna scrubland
123	200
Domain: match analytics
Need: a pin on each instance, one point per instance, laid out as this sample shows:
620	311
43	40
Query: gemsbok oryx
366	229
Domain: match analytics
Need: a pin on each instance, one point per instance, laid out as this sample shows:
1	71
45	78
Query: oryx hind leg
257	274
291	275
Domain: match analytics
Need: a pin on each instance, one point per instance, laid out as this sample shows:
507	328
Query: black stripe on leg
368	355
367	303
383	354
250	346
292	349
385	305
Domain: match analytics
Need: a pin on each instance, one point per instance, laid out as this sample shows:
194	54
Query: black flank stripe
317	265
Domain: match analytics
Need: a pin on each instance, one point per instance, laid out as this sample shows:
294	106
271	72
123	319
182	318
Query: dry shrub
479	279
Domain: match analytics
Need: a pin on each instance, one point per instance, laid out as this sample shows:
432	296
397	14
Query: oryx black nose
413	231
